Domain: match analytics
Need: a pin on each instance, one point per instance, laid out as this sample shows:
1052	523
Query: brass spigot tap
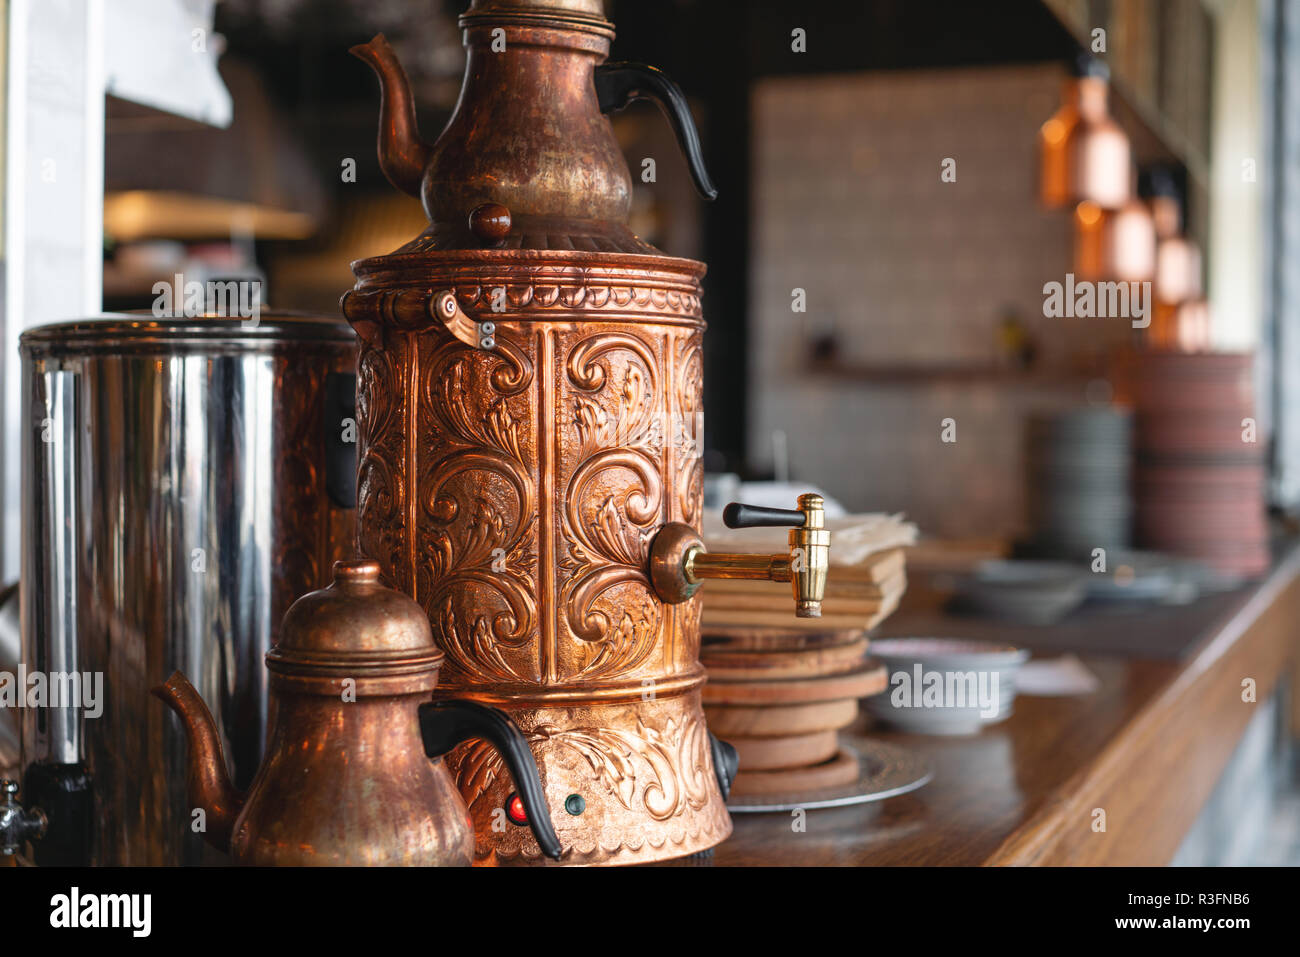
679	563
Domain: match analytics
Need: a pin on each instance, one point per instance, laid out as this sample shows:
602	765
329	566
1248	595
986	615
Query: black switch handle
739	515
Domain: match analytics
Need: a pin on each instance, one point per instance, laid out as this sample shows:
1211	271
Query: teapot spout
402	154
208	781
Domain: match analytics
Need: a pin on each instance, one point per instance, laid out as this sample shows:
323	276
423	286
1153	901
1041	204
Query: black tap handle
618	84
738	515
445	724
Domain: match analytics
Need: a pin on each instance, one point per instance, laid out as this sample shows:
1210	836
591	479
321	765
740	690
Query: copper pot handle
479	335
413	308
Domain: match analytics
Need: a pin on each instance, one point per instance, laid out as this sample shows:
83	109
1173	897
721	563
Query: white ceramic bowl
945	685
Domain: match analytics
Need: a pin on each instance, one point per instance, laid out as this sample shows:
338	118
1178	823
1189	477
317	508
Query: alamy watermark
74	910
945	689
1084	299
55	689
231	298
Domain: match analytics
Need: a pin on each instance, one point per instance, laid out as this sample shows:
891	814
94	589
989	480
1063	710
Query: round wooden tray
839	769
765	665
884	770
792	751
869	679
717	639
759	721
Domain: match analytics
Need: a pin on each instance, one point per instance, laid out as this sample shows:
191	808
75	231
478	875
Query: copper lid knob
356	570
490	222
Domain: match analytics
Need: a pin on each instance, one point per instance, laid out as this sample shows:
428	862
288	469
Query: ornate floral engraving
663	772
529	292
381	489
613	502
575	288
476	549
688	437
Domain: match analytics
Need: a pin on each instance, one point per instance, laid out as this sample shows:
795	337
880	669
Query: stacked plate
1078	465
1200	476
780	698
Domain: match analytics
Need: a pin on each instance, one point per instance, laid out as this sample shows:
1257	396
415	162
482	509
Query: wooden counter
1148	748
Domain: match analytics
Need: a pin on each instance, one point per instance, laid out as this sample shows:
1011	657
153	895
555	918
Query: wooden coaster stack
858	597
780	697
1201	475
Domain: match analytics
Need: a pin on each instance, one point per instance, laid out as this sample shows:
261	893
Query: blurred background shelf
923	374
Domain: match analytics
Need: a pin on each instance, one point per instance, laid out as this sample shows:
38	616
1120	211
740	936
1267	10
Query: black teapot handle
618	84
445	724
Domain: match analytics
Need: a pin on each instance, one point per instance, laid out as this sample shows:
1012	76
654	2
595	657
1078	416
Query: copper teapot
529	399
528	152
347	779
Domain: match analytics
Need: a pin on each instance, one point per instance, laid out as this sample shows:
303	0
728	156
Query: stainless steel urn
185	479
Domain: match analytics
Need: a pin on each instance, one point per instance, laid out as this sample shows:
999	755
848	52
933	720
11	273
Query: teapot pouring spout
403	155
209	784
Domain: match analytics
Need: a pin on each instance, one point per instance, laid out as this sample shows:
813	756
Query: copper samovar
529	409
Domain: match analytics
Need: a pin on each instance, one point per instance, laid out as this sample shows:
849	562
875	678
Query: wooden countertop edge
1154	777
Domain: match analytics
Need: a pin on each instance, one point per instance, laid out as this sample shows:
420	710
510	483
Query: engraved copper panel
514	492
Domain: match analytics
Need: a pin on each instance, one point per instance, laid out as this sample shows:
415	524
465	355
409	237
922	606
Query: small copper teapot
346	779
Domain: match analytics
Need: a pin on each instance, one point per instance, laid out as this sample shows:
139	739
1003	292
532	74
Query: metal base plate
884	771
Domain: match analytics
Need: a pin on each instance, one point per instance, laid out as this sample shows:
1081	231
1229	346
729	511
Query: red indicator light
515	810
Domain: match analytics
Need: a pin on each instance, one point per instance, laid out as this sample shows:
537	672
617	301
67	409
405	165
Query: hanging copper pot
529	399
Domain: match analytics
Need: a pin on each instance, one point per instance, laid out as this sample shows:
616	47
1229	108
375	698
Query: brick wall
907	270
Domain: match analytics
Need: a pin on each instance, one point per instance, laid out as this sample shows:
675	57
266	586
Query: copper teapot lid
357	628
